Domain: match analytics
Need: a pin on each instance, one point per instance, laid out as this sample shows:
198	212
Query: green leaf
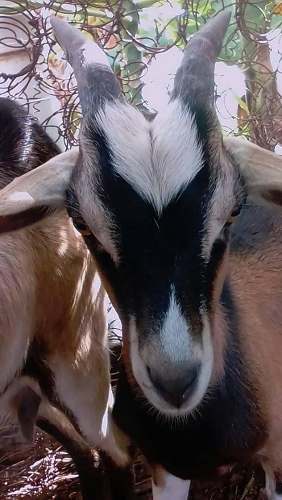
241	103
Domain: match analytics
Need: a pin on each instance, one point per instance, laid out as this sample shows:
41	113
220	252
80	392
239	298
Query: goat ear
260	168
32	196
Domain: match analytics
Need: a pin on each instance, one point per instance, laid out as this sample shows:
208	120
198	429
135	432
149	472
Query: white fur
172	488
21	196
84	394
270	484
157	158
175	339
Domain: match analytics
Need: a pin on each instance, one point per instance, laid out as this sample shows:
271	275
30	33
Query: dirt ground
45	471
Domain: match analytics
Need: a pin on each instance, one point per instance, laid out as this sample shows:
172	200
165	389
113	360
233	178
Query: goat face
154	201
158	203
156	198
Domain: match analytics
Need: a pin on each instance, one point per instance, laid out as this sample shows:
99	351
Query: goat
53	353
186	232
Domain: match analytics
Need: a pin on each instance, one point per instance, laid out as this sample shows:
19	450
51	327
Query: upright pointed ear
260	168
35	194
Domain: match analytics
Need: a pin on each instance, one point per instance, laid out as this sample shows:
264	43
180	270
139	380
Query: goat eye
233	216
81	227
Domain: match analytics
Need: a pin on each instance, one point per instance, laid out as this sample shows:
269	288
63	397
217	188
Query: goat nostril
191	380
175	390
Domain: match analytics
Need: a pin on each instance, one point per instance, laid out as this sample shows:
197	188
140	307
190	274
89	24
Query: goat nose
176	390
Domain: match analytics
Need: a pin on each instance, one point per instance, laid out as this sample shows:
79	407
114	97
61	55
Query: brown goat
54	352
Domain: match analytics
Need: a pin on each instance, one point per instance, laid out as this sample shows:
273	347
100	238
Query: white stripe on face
158	159
168	351
174	336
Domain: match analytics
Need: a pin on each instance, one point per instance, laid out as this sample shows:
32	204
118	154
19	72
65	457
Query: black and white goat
198	287
54	354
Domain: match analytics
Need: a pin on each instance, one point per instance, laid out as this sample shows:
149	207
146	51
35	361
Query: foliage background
143	39
135	35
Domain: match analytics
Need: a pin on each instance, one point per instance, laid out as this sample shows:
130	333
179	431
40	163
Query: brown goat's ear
260	168
31	197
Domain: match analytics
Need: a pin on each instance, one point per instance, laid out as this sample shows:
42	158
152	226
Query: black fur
23	143
278	488
100	85
94	482
36	368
